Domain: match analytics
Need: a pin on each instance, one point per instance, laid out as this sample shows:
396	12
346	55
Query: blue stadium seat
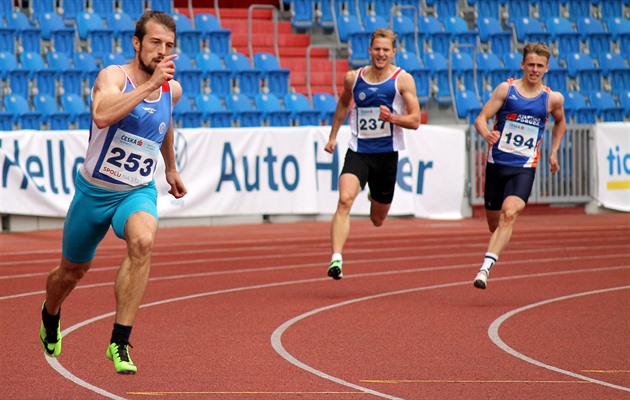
11	73
468	105
133	8
275	77
7	38
624	100
326	103
562	32
38	7
247	78
324	12
530	30
619	27
243	111
273	114
86	63
28	35
487	8
373	22
512	61
80	115
188	75
217	38
70	76
460	33
615	68
103	7
52	116
462	66
302	13
6	121
433	35
72	8
350	31
212	69
443	8
577	110
557	76
114	59
123	30
55	30
491	32
302	113
185	115
44	77
579	8
592	32
490	71
161	5
611	8
582	67
550	7
188	38
411	63
212	110
91	29
605	107
23	116
407	32
518	9
438	70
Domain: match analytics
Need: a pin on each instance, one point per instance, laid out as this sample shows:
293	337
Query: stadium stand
326	104
243	112
302	113
273	113
212	111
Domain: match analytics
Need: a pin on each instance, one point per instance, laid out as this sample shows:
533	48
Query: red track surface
246	312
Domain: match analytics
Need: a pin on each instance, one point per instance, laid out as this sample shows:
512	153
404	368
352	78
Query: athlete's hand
330	146
554	166
164	70
178	190
385	114
492	137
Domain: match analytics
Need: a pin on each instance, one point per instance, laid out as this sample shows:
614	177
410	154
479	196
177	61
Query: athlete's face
157	43
534	67
382	52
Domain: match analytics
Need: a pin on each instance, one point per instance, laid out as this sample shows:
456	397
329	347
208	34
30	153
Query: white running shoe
481	280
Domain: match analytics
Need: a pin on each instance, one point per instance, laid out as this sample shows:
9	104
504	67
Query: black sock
120	334
50	321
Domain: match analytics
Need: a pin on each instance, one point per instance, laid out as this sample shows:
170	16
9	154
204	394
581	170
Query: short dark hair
158	16
537	48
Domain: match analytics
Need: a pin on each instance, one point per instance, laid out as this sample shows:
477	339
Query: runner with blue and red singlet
521	107
385	102
131	125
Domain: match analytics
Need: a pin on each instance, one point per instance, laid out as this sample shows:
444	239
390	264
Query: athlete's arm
110	104
411	119
556	109
342	110
489	110
178	189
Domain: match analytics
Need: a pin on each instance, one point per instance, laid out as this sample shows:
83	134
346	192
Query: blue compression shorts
93	210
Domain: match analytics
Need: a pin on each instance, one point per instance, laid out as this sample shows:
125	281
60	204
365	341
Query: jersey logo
150	110
513	97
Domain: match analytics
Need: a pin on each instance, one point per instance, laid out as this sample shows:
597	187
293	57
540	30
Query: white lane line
276	337
493	332
56	365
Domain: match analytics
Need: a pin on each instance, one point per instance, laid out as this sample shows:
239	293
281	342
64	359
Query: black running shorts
378	170
503	181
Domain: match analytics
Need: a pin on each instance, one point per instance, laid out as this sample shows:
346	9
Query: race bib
370	126
518	138
130	159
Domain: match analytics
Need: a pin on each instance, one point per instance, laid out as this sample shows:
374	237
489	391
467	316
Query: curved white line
493	332
56	365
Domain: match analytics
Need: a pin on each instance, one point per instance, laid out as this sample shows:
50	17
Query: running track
246	312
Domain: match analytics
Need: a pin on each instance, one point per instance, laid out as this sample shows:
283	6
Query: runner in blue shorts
521	107
131	126
385	102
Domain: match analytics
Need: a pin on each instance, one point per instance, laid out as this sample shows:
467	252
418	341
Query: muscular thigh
502	181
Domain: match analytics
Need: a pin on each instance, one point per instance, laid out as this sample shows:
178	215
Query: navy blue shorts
503	181
378	170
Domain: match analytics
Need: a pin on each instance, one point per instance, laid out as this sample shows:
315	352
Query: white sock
488	262
336	257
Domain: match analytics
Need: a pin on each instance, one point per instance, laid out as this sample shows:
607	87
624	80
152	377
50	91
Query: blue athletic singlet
369	133
124	155
521	122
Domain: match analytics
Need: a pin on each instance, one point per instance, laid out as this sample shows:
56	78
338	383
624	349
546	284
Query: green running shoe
119	354
334	270
50	339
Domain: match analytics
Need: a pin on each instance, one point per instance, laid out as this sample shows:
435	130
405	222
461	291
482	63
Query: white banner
242	171
612	140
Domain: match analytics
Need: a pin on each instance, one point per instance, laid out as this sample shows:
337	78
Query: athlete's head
382	33
536	48
153	39
382	47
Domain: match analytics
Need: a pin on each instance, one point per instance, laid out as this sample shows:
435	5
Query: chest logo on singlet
162	128
149	110
362	96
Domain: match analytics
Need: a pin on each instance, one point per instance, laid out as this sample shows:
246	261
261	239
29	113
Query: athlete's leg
61	281
133	275
492	217
512	206
378	212
349	188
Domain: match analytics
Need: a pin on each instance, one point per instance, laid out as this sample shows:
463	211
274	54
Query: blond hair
382	33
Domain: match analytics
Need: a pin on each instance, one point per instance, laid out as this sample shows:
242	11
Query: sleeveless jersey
521	122
369	133
124	155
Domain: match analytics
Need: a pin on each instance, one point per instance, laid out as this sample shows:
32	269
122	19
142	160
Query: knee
508	216
72	274
141	245
345	202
